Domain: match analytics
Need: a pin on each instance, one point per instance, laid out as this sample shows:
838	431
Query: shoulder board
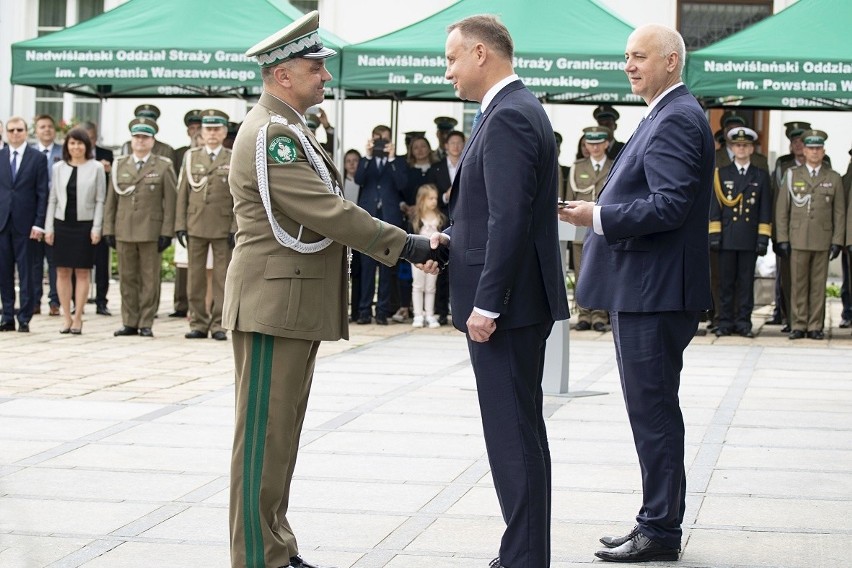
196	149
581	161
163	158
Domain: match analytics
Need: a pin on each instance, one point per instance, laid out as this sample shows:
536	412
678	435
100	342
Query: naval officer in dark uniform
740	227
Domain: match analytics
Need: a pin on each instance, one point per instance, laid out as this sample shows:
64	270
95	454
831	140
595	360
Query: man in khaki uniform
205	217
585	180
139	221
810	214
607	117
150	112
287	283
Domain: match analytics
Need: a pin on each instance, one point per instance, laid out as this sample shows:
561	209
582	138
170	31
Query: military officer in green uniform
585	180
205	218
287	284
139	221
608	118
811	218
160	148
192	120
740	227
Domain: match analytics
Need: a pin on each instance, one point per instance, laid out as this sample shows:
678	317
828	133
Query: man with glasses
23	205
45	131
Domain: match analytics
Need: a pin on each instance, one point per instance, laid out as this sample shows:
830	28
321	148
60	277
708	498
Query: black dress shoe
381	320
844	323
720	331
442	320
815	334
639	548
613	541
126	330
599	326
582	326
195	334
746	333
495	564
797	334
786	329
297	562
103	311
146	332
7	326
774	321
220	335
712	326
178	314
24	327
364	320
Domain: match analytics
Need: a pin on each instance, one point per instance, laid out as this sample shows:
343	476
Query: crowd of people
799	206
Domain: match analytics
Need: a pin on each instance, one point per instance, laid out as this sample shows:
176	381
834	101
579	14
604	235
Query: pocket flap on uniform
474	256
303	266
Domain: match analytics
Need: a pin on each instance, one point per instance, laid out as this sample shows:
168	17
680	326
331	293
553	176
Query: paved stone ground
114	451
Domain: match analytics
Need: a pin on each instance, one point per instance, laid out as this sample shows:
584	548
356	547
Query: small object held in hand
564	204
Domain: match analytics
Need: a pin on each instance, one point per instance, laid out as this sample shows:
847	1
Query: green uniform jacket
205	208
813	225
148	211
270	288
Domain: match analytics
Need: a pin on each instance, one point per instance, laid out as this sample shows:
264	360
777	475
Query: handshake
418	250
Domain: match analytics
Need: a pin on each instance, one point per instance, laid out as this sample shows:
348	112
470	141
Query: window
53	16
702	22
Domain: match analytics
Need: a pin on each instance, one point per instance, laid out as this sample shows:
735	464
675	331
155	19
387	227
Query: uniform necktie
742	171
139	164
212	156
14	165
476	118
597	168
813	173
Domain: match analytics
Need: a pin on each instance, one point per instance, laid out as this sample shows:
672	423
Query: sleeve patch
282	150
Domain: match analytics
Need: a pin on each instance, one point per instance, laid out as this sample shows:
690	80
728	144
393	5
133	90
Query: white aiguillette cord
282	236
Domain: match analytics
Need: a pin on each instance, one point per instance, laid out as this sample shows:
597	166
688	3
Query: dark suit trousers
15	251
442	293
102	273
736	289
649	351
368	287
42	251
508	369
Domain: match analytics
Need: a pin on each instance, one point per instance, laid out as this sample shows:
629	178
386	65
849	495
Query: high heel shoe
65	330
77	330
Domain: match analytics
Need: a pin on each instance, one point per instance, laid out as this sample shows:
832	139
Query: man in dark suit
102	257
507	284
650	245
383	178
45	130
23	205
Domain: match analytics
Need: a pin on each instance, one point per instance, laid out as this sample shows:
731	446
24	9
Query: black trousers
102	273
736	289
442	293
508	369
649	351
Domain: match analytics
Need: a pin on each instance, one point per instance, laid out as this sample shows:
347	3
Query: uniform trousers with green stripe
273	380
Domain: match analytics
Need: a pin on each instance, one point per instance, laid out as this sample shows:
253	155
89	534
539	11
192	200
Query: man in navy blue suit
23	205
383	179
650	244
507	283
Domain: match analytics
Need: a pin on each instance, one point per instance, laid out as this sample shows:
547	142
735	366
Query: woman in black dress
75	214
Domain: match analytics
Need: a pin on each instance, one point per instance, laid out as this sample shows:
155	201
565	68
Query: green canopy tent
798	58
563	53
145	48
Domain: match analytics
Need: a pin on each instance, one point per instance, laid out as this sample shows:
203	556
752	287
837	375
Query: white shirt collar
601	163
215	151
492	92
143	159
742	167
813	171
42	148
660	97
20	149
